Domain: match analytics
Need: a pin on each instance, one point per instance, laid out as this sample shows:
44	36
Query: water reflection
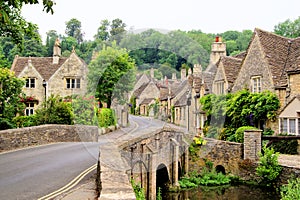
225	193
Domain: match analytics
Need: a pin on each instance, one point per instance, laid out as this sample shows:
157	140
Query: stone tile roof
164	92
181	101
232	66
241	55
276	50
44	65
293	64
139	91
147	101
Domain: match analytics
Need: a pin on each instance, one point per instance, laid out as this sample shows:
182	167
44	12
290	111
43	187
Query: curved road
35	172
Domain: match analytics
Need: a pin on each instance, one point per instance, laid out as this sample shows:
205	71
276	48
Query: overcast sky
210	16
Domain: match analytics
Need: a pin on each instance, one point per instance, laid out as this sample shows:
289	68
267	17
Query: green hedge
106	117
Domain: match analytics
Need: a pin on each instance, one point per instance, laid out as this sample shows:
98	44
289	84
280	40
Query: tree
117	30
288	28
111	74
103	31
50	40
73	29
13	25
10	93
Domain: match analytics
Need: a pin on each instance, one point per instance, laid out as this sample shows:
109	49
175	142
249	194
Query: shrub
285	146
106	117
268	168
239	134
291	191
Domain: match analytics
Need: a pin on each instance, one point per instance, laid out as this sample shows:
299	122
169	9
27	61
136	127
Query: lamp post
188	103
45	87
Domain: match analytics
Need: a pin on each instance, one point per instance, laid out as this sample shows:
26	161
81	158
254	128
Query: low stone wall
37	135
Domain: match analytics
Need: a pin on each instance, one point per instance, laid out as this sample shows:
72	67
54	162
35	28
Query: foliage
112	74
159	194
268	168
206	177
138	190
132	104
106	117
25	121
73	29
84	110
10	96
239	134
288	28
291	191
13	25
55	111
195	146
285	146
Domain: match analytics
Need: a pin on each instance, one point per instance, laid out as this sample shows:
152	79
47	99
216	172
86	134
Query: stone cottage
55	75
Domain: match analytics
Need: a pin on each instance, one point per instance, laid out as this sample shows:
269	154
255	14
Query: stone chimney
197	70
174	76
152	73
183	74
218	49
56	51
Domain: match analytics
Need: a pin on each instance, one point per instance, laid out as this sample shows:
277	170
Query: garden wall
37	135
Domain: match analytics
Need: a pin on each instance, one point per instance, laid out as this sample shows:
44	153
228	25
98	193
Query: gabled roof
147	101
276	50
232	67
293	64
44	65
288	103
139	91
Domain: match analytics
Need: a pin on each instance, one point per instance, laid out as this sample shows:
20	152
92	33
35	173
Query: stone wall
18	138
226	154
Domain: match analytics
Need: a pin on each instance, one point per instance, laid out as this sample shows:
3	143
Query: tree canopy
288	28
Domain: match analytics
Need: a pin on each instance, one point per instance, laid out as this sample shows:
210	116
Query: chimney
183	74
56	51
197	70
174	76
152	73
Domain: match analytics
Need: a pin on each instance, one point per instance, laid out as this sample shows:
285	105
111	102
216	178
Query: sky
210	16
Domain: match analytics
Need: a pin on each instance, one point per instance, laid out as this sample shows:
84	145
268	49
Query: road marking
70	185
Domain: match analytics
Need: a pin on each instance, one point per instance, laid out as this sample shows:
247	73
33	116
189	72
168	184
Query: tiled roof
232	67
44	65
147	101
276	49
241	55
181	101
293	64
139	91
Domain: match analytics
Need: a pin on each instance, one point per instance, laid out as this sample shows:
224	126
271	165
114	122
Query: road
34	172
37	171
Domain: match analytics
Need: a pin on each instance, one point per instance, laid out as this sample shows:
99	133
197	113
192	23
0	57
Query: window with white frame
29	110
30	83
256	84
73	83
220	87
290	126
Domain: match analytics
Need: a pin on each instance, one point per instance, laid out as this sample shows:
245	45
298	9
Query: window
256	84
73	83
30	83
29	109
220	87
290	125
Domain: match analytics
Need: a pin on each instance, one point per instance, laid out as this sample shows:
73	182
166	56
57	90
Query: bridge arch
162	177
220	169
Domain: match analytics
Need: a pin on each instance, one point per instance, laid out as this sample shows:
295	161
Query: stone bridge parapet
12	139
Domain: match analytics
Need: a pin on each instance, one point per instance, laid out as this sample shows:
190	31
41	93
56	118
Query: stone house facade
45	76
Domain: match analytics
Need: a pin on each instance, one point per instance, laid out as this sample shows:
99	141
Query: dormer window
30	83
73	83
256	84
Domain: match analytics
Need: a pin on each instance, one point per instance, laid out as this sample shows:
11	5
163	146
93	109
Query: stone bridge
157	160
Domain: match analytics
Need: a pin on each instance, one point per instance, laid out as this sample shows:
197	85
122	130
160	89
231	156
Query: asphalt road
34	172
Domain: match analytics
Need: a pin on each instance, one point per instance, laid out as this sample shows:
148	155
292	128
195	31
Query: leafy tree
67	45
288	28
117	30
4	63
55	111
111	74
84	110
50	40
13	25
103	31
10	92
73	29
